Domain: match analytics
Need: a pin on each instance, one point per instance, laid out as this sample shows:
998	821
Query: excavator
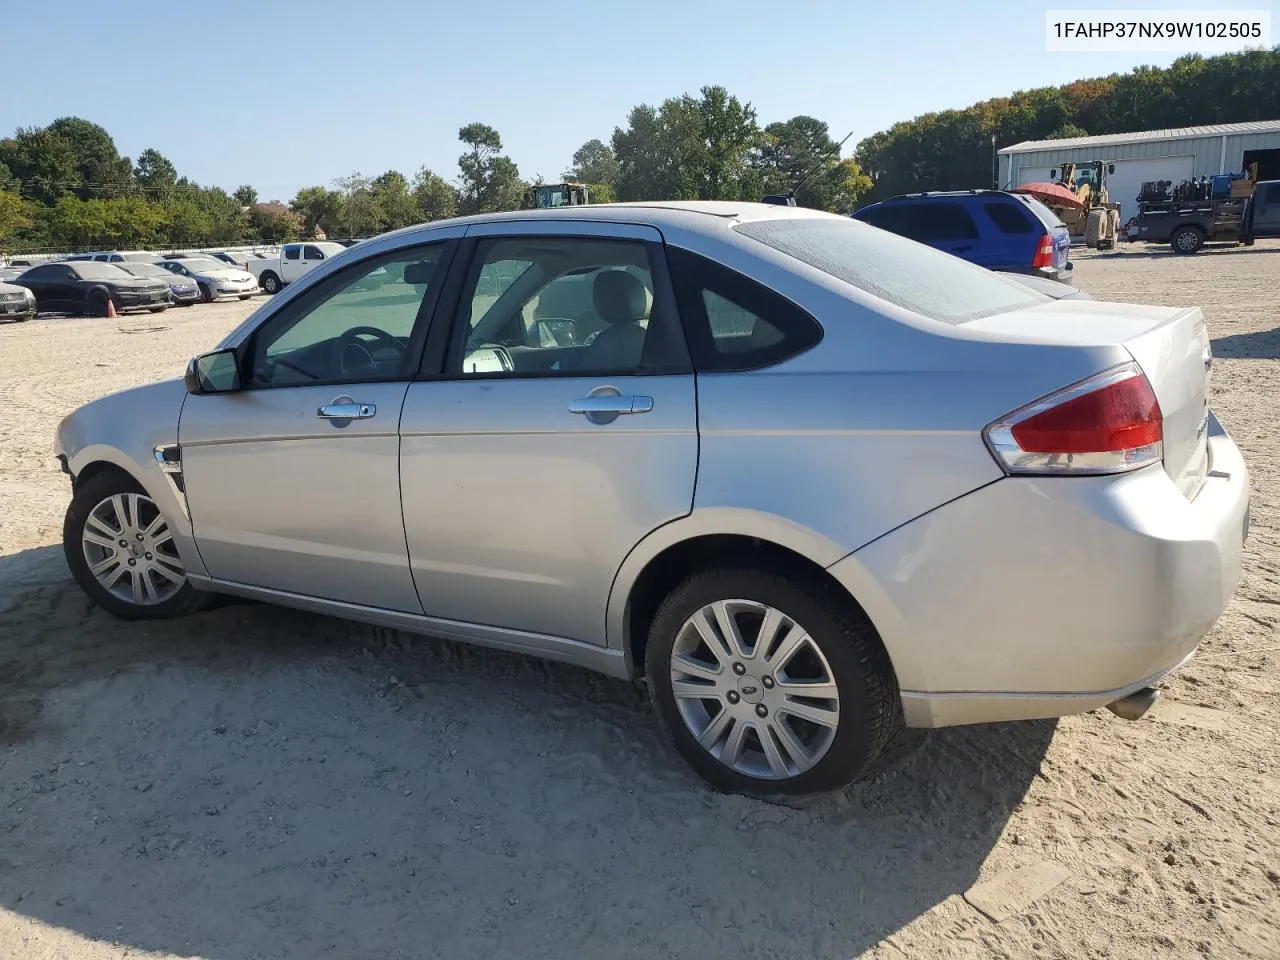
544	195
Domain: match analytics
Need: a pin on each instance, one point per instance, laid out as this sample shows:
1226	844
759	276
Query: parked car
993	228
16	303
810	479
238	260
114	256
183	290
213	277
295	259
87	287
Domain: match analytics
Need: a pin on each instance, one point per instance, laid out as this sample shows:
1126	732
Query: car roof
947	194
697	216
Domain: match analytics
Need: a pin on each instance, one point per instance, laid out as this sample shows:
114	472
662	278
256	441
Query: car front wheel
768	684
121	551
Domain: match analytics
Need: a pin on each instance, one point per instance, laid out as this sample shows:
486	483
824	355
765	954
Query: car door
947	226
1266	210
533	462
312	257
291	262
293	481
55	287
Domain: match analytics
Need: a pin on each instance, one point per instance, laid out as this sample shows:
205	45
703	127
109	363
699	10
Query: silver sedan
808	479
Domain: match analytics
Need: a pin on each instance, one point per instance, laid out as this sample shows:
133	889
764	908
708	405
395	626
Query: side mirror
1111	168
557	333
217	372
1053	174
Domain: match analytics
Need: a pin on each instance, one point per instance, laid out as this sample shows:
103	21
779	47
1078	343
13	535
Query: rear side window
1273	193
291	253
1007	217
910	275
942	221
734	323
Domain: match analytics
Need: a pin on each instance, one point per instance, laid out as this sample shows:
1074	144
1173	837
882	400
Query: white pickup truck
295	259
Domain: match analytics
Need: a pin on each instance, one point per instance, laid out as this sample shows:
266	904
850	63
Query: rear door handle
611	405
347	411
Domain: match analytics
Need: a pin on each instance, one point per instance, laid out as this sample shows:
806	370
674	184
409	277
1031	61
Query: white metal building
1151	155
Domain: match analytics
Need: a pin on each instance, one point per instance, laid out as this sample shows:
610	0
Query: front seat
622	302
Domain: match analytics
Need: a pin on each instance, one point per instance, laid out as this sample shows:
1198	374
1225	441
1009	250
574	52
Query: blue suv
1004	231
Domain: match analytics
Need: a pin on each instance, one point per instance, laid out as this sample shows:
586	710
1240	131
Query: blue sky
282	95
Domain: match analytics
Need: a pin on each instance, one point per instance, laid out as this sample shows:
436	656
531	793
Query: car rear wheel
769	685
270	283
1186	240
121	551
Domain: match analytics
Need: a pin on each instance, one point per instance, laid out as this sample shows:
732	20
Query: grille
12	297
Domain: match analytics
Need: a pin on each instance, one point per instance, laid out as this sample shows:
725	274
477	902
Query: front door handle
347	411
611	404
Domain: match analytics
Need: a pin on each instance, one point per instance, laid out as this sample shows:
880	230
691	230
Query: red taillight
1109	423
1044	253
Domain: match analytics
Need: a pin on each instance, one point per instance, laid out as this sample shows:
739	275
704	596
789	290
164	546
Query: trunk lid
1170	344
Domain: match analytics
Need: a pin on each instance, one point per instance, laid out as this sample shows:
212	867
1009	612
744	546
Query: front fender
123	429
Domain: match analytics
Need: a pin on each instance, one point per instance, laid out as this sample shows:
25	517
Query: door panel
283	499
519	513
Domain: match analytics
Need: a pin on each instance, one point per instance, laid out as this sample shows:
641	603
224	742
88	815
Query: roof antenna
788	199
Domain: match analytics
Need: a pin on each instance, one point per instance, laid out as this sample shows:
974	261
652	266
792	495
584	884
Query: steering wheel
349	343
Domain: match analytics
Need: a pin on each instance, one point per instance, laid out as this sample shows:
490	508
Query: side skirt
613	663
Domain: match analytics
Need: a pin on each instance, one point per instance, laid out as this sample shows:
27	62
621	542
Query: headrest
619	297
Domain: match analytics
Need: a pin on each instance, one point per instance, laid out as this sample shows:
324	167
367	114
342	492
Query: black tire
96	305
205	293
159	309
1246	242
270	283
870	704
87	496
246	296
1186	240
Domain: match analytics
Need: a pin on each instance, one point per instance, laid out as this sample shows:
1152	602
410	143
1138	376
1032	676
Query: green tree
799	154
600	193
395	204
275	227
43	162
689	148
490	181
594	162
155	174
245	195
15	217
320	208
360	214
434	196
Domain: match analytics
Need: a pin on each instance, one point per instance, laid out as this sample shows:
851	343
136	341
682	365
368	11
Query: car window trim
445	346
423	321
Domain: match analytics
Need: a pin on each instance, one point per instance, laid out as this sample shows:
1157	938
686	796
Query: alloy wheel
130	551
754	689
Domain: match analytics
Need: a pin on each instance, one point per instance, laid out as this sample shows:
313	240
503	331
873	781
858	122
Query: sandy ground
258	783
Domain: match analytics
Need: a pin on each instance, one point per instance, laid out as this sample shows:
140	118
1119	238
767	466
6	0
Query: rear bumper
1041	597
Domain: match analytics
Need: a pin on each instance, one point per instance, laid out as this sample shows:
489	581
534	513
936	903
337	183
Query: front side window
910	275
1273	193
563	306
312	253
357	326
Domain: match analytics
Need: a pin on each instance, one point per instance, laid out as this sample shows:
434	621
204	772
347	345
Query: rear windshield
909	274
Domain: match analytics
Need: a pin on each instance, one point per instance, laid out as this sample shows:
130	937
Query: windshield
909	274
93	270
203	265
145	270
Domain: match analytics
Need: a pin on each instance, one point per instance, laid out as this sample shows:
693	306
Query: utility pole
995	164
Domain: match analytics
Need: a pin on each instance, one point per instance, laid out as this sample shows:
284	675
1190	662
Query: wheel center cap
135	550
750	689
